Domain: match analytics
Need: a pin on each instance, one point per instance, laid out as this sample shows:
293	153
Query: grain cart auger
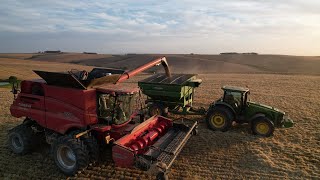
76	112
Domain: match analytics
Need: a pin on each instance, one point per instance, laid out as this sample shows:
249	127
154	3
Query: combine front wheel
70	155
93	147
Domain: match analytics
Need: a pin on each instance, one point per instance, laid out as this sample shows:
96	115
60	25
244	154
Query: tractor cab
236	97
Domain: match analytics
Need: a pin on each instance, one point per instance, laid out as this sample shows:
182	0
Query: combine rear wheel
70	155
21	139
262	126
219	118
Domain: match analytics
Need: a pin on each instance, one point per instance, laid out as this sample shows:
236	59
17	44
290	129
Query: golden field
291	153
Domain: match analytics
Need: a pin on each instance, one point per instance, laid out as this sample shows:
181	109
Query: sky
169	27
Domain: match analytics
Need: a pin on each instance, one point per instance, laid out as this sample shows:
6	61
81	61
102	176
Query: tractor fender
257	115
223	104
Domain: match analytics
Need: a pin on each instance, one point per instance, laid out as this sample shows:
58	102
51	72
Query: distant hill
23	68
192	63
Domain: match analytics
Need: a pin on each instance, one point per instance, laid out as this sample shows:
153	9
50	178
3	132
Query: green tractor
235	106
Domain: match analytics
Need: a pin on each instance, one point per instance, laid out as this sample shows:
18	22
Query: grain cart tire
262	126
162	176
70	155
20	139
219	118
93	147
158	109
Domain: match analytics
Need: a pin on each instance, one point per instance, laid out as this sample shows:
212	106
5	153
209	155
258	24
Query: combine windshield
123	108
116	109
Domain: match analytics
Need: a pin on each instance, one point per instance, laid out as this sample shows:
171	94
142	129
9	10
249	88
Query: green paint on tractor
235	106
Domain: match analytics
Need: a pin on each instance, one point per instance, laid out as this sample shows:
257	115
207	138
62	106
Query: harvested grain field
236	154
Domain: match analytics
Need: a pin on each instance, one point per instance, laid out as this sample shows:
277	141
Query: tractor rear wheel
262	126
158	109
70	155
219	118
21	139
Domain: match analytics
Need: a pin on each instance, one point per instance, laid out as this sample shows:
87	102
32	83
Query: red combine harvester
78	112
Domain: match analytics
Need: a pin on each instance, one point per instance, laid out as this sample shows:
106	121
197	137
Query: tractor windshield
233	98
116	109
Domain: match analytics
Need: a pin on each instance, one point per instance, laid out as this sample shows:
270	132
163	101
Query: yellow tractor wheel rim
218	121
262	128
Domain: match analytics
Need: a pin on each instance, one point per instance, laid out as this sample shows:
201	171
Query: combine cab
78	111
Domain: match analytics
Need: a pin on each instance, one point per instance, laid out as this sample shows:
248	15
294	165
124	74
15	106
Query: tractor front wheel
70	155
262	126
158	109
21	139
219	118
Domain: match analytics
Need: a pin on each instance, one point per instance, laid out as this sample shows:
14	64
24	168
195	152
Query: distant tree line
50	51
90	53
232	53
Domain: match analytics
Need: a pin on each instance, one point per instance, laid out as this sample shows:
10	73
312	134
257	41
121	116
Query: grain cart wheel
162	176
70	155
20	139
219	118
158	109
262	126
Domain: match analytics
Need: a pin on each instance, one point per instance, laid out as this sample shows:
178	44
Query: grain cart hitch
153	145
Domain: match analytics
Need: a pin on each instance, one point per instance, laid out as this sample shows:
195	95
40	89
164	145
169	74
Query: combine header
78	111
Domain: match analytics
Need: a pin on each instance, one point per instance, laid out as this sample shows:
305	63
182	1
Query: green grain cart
170	94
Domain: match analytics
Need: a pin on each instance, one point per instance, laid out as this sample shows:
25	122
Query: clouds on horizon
212	26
